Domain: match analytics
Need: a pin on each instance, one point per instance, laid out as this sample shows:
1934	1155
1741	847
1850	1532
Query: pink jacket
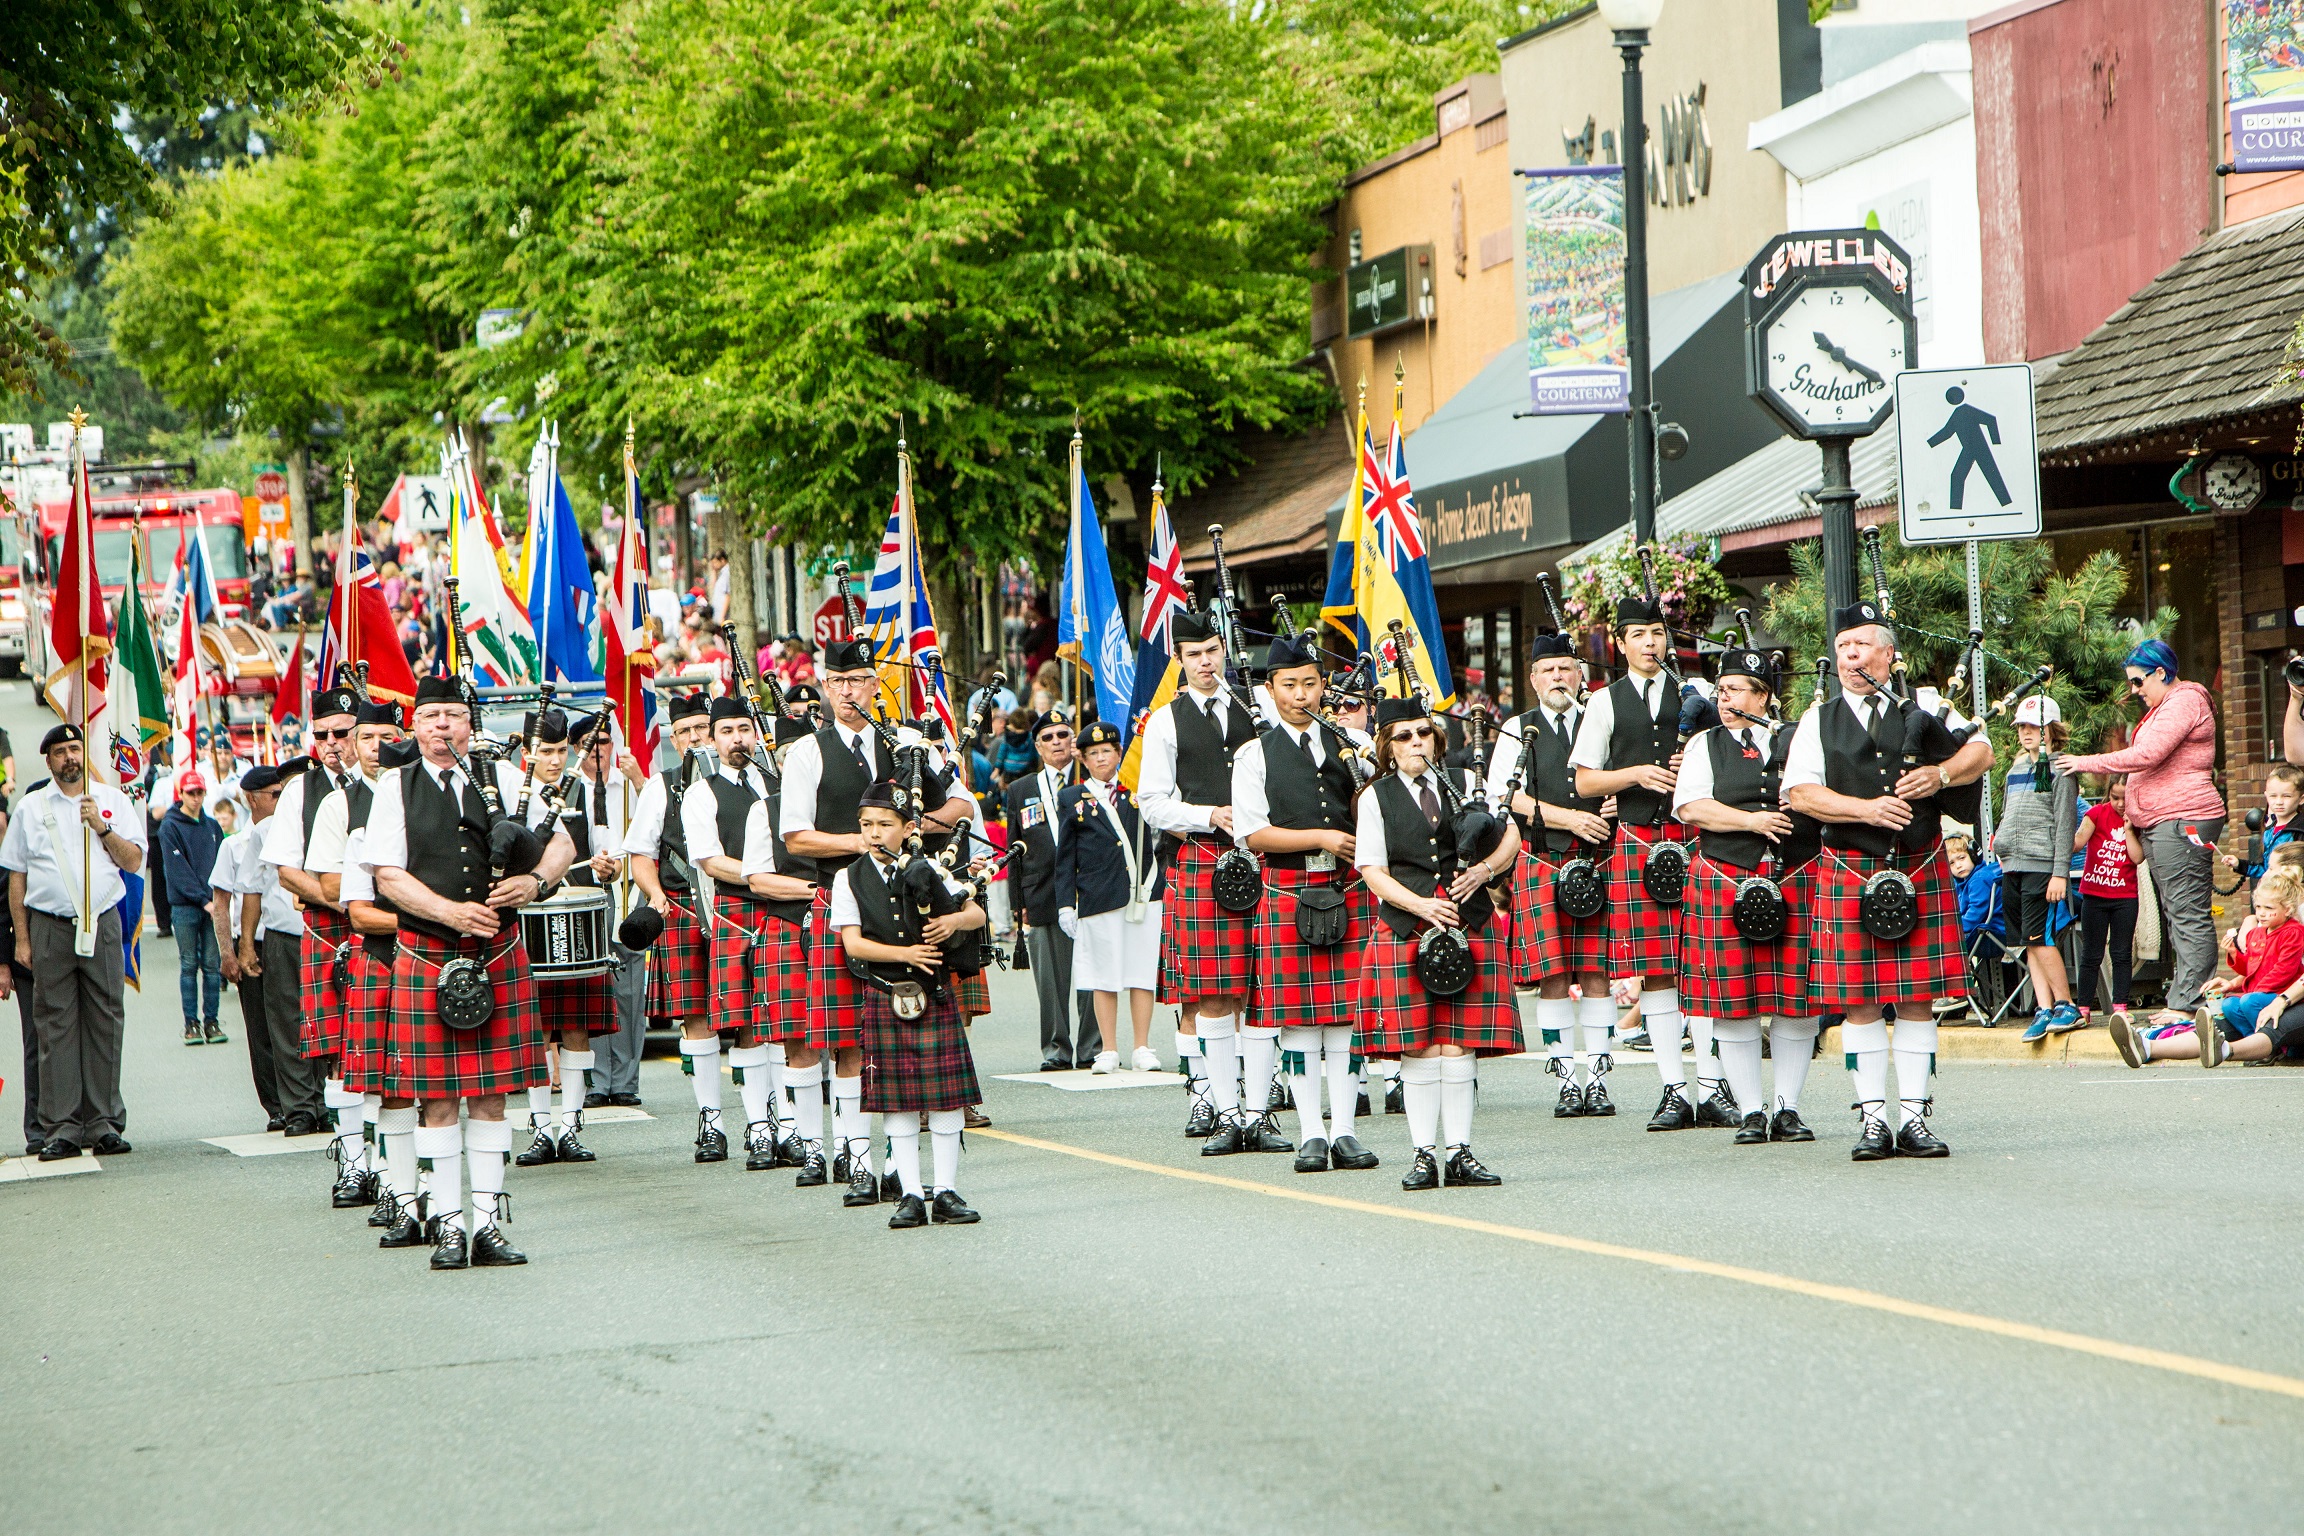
2170	763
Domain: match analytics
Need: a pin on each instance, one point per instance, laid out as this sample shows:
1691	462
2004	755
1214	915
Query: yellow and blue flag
1381	570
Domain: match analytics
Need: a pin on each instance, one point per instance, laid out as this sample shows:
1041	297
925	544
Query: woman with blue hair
2176	809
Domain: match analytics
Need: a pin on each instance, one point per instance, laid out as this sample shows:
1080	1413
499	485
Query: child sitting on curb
2267	952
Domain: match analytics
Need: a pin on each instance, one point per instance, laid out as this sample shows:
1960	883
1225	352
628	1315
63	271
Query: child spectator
2034	842
2267	953
2108	895
1983	925
1012	755
2283	817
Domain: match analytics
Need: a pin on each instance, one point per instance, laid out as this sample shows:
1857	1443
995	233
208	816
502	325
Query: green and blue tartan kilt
1398	1017
431	1061
1643	938
1723	975
1848	968
325	931
1205	951
1546	942
921	1064
737	940
781	983
836	998
678	984
1298	986
367	1021
587	1003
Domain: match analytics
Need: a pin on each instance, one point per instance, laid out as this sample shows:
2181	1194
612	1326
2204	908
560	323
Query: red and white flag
79	625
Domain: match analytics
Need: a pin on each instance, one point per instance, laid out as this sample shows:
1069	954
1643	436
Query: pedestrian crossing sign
1967	455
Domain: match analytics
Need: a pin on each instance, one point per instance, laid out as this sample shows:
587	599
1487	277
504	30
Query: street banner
2264	83
1573	263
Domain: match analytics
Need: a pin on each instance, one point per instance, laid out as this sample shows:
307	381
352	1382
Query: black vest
886	920
1203	756
1867	766
447	843
1422	857
733	804
359	800
576	816
1637	739
1303	798
1747	784
840	783
318	786
1554	782
672	837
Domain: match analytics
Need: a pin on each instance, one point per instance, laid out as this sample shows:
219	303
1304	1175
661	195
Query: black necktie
1304	745
857	746
599	805
1429	801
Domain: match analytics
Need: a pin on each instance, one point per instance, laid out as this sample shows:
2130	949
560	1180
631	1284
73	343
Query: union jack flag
1388	503
900	625
1164	595
331	646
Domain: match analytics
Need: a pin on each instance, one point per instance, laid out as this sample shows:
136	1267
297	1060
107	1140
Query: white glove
1068	919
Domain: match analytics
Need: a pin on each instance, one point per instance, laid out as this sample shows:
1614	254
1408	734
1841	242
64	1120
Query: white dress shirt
1505	761
259	876
1156	794
605	839
388	815
645	830
284	828
700	814
359	876
231	861
804	771
1251	807
1591	749
1369	850
1695	781
51	863
324	850
1804	764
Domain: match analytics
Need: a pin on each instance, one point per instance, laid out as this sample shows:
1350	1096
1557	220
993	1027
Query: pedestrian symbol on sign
1961	431
1978	432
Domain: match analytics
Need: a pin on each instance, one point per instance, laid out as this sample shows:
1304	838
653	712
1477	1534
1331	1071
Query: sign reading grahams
1573	265
1477	520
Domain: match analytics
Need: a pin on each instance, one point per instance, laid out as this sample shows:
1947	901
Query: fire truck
149	509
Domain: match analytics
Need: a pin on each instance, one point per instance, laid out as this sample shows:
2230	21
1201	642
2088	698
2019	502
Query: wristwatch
1944	776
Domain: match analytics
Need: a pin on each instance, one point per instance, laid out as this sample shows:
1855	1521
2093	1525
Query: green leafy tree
70	70
2034	614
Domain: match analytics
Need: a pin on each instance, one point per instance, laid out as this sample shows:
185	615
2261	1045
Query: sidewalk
1968	1042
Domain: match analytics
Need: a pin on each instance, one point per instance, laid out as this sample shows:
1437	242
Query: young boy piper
916	1057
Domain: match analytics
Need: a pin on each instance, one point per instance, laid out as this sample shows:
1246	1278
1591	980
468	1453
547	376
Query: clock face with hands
1828	357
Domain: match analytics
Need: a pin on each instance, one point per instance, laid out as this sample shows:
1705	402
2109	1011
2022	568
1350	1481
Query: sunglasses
2136	684
1416	733
319	735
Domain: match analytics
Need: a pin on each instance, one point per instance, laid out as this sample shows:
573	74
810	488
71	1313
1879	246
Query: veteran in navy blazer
1031	805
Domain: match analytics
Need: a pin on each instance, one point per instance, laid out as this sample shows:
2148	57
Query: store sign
1572	266
1797	254
1386	292
1474	520
2264	83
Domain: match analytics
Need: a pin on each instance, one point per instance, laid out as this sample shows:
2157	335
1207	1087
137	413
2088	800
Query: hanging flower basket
1688	580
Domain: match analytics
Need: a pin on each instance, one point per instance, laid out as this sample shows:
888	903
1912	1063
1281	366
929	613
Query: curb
1970	1043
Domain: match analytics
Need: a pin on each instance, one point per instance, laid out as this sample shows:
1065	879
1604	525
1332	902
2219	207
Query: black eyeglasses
320	735
1418	733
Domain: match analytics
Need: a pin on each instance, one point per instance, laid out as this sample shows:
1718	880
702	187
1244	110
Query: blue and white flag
562	607
1092	631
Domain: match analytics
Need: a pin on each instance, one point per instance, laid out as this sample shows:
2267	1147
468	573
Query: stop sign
831	622
271	486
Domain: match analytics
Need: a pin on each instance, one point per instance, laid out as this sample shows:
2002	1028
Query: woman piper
1731	788
1405	846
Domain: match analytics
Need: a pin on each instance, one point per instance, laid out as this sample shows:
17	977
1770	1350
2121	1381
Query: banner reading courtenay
1574	266
2264	83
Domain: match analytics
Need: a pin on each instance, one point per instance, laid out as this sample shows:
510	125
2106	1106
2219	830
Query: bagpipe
1444	963
1888	907
1238	880
1664	874
1760	912
1579	885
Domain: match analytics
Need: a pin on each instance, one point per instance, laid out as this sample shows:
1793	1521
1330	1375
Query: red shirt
2271	958
2109	871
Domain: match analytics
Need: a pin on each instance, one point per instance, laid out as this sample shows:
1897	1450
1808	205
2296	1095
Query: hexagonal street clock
1828	326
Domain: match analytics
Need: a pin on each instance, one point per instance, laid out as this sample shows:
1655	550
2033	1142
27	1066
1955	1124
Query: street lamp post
1630	21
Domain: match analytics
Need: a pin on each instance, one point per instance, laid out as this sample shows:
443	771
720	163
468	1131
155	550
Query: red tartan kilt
1205	951
781	984
735	945
430	1060
678	969
582	1002
836	999
323	999
1297	986
1849	968
975	995
367	1022
1724	976
921	1064
1545	942
1643	938
1397	1016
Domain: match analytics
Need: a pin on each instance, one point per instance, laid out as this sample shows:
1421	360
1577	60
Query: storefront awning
2202	342
1766	499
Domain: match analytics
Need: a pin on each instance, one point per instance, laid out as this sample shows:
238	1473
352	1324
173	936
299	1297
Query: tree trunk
300	510
739	580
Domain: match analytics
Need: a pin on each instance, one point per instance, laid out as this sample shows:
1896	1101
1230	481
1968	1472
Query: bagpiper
1744	920
1293	793
1184	785
1407	850
1885	925
679	962
1560	957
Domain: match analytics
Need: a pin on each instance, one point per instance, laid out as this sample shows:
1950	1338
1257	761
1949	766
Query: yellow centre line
1845	1295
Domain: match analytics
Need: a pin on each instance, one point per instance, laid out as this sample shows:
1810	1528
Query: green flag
137	659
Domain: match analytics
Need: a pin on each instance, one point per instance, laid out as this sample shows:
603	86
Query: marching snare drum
567	935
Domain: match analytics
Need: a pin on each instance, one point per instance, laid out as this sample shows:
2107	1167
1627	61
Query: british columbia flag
899	623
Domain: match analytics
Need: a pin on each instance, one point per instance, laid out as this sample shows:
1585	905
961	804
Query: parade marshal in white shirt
59	874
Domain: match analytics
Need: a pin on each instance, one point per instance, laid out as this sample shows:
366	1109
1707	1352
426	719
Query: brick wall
2242	710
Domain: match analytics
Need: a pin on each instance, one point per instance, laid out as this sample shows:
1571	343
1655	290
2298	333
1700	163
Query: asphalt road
1634	1333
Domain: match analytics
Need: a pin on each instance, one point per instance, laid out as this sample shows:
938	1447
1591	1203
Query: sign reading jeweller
1967	458
1827	323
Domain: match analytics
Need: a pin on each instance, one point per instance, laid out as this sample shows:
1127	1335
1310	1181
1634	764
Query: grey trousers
31	1033
2184	878
79	1010
1051	955
259	1038
619	1053
295	1078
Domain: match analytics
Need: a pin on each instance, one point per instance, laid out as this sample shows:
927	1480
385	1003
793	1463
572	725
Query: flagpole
345	568
80	691
1079	572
